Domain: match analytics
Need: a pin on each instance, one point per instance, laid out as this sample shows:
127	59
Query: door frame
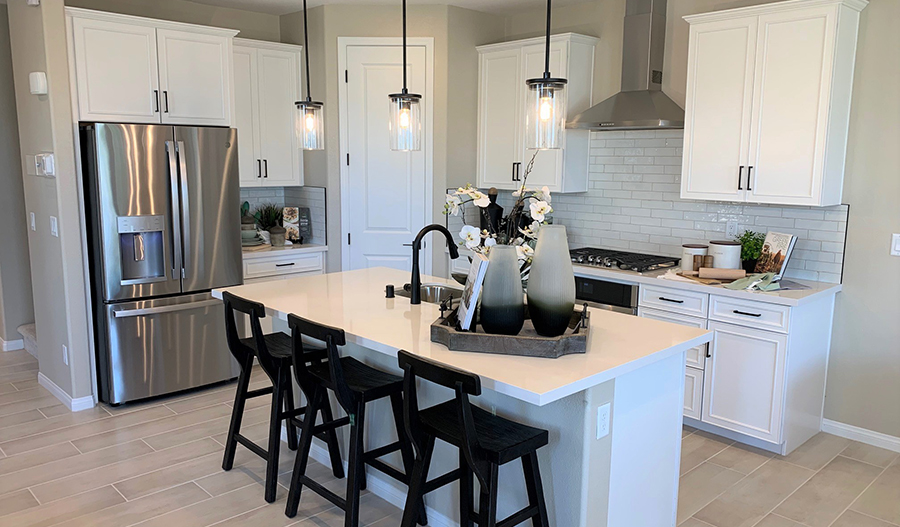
428	143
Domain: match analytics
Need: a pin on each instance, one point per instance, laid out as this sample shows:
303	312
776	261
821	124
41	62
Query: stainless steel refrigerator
163	217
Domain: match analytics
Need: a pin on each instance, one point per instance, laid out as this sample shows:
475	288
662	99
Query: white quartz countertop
788	297
355	302
289	249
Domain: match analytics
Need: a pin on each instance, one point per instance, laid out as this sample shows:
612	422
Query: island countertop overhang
355	302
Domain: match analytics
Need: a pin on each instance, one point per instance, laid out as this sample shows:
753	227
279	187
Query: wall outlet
33	224
731	229
54	226
895	244
603	421
65	355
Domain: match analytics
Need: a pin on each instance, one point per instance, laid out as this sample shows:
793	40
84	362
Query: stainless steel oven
603	294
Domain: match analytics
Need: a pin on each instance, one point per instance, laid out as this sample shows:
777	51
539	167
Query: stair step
29	333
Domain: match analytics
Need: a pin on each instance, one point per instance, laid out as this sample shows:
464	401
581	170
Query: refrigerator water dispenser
142	249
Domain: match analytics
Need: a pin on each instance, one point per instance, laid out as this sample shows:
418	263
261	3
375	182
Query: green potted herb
751	248
267	217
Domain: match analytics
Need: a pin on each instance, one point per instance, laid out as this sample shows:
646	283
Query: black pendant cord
306	50
404	48
547	45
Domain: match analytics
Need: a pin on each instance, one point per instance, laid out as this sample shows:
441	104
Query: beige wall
258	26
37	37
16	306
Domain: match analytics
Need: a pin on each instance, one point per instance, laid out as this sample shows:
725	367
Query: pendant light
405	118
308	117
546	109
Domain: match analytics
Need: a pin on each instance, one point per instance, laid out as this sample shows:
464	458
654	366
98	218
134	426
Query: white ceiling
281	7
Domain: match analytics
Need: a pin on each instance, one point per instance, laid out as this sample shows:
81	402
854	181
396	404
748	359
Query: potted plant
751	248
268	216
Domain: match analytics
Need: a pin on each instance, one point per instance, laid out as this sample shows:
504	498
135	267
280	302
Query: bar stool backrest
255	311
332	337
462	383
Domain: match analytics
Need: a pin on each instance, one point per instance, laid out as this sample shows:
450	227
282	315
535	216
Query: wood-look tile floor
151	464
158	464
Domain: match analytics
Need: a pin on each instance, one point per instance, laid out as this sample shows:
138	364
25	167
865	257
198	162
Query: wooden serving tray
527	343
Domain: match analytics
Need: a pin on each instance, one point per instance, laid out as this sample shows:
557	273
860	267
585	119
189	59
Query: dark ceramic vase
502	298
551	283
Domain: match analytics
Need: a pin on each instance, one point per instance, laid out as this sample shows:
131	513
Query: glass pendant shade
546	115
310	127
405	121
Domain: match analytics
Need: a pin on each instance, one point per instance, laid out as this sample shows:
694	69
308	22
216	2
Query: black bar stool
273	351
354	385
485	442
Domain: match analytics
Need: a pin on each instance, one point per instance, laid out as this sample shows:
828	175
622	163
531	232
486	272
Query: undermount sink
435	293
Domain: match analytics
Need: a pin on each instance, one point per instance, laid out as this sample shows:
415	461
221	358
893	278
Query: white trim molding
74	405
869	437
12	345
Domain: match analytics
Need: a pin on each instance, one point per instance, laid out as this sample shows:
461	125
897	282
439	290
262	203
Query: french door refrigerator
163	217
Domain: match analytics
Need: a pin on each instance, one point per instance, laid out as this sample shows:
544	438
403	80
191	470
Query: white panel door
790	106
696	356
279	148
548	165
744	381
195	78
499	116
718	108
246	115
386	189
115	71
693	392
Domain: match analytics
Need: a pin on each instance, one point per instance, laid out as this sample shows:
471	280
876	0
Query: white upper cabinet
266	85
140	70
503	70
194	77
768	102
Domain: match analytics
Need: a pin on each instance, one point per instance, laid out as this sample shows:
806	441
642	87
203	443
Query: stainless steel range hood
641	105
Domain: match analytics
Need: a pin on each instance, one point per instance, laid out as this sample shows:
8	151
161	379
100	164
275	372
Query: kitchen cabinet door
278	90
115	71
693	392
721	58
791	98
195	78
696	356
744	381
499	114
548	164
246	115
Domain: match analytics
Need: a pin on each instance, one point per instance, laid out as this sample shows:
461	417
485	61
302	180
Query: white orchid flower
543	194
539	209
490	242
524	252
471	236
452	205
480	199
520	191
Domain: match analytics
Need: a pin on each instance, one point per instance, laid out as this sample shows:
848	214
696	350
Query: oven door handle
608	307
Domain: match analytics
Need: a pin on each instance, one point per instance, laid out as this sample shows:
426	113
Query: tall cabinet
266	85
141	70
768	102
503	70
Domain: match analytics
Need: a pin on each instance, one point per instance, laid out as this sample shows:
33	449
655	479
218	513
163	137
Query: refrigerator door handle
177	265
185	207
125	313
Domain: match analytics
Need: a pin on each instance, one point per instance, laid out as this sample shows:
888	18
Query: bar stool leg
288	408
406	449
535	489
274	439
237	413
356	477
466	499
300	462
417	484
488	504
334	451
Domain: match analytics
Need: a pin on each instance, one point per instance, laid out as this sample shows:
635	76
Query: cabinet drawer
693	392
674	300
696	356
750	313
281	265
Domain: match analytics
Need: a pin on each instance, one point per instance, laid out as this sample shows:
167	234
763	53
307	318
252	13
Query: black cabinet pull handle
156	99
266	165
258	168
747	314
166	99
513	171
664	299
708	353
749	171
740	176
285	265
518	171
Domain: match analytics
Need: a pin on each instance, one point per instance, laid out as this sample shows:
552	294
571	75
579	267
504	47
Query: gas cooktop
621	259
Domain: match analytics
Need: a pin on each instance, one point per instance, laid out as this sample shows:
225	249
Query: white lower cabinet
693	392
696	356
744	381
279	265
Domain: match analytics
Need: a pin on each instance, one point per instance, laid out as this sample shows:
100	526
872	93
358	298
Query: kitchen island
613	465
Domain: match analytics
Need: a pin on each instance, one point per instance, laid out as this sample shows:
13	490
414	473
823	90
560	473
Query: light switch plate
895	244
54	226
33	226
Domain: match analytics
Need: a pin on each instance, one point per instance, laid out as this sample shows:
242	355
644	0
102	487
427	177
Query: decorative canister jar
277	235
726	254
688	251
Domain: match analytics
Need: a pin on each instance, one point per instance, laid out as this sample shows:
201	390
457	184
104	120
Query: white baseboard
12	345
862	435
74	405
379	485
